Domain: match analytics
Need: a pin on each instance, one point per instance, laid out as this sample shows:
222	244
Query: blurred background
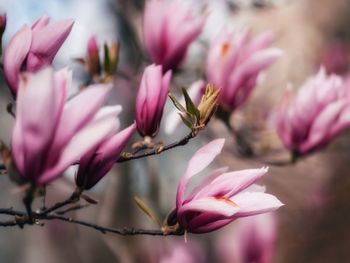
314	224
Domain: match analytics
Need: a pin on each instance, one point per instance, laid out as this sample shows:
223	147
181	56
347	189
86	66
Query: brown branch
31	217
21	219
71	200
181	142
71	209
120	231
11	212
8	223
157	151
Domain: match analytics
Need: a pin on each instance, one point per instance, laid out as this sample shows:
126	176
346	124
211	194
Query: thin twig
72	199
120	231
8	223
157	151
11	212
73	208
181	142
22	219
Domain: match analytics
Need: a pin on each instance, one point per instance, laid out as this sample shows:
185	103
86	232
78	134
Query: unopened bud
93	59
208	104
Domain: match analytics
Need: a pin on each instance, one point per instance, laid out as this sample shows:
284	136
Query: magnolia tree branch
71	200
59	209
21	219
159	150
129	156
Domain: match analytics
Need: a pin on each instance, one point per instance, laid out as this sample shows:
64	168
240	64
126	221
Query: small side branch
181	142
71	200
120	231
21	219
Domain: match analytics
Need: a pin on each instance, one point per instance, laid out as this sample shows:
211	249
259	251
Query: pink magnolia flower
169	27
312	117
32	48
234	63
151	99
50	135
253	240
222	196
95	164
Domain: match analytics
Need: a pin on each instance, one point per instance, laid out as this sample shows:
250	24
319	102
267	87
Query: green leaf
191	108
146	210
186	122
176	103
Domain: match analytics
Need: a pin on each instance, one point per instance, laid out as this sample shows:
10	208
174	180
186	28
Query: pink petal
229	184
322	125
243	80
343	121
107	154
207	181
37	116
40	22
112	148
163	95
109	111
62	80
262	41
14	56
84	141
209	205
253	203
212	226
153	29
200	160
153	87
78	112
46	43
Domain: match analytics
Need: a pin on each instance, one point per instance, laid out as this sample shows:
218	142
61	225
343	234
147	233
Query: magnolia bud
208	104
93	59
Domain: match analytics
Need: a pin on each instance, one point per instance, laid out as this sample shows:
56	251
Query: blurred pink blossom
222	196
311	118
235	61
169	27
50	134
95	164
252	240
32	48
182	252
335	59
151	99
